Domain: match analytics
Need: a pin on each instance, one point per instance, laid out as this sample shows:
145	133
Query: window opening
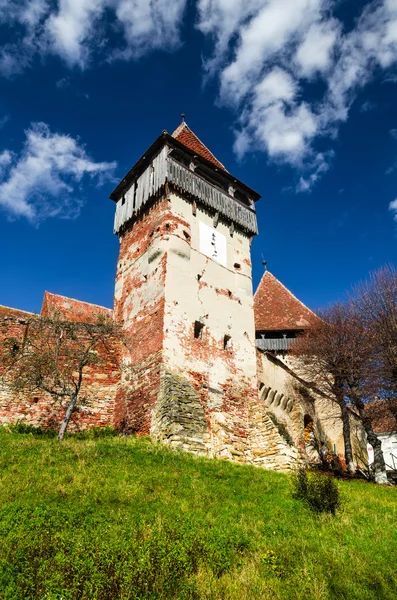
226	342
198	329
134	200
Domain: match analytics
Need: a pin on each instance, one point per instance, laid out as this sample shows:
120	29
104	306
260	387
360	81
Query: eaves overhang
166	139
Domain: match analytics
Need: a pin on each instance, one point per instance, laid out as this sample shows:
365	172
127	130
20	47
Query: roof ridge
183	126
289	292
76	300
28	312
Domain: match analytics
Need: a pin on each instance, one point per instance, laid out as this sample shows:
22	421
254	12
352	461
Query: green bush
25	428
94	433
319	491
87	434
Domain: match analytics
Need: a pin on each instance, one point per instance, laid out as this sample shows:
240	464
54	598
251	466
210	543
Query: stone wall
291	400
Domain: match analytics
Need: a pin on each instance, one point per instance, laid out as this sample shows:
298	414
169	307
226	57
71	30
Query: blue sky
296	97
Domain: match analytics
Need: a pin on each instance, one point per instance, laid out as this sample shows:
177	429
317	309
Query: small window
226	342
15	349
198	329
134	200
123	201
237	266
35	400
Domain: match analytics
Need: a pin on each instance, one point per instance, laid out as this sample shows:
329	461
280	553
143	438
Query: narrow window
198	329
15	349
123	201
134	201
226	342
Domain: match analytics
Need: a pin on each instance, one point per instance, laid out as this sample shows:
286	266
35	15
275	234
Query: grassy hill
127	519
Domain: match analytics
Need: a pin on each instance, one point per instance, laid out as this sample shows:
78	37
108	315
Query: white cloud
149	25
393	208
265	53
4	120
5	161
71	27
315	52
43	180
76	30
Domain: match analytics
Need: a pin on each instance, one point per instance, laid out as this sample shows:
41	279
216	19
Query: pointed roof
71	309
277	309
185	136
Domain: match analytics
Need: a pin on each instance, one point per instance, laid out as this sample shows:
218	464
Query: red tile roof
185	136
6	311
277	309
383	419
71	309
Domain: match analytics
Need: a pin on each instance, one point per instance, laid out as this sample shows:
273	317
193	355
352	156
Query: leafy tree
53	356
337	353
327	357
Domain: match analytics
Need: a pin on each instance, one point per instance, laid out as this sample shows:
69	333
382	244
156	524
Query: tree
326	353
360	382
338	354
54	354
376	301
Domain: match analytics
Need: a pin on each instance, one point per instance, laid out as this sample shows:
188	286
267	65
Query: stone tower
184	296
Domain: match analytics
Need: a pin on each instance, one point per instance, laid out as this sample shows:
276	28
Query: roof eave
166	138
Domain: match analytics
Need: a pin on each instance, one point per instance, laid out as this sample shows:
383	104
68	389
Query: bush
94	432
25	428
319	491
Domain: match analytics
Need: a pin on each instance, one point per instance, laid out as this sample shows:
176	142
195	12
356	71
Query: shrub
94	433
25	428
319	491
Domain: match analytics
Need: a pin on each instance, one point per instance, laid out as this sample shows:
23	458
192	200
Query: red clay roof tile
277	309
185	136
6	311
71	309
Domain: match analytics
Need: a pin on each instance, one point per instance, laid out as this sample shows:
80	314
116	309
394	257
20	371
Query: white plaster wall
222	299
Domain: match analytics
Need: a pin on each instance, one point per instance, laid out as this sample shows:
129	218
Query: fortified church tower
184	296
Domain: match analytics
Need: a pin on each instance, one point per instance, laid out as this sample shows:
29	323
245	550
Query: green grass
125	518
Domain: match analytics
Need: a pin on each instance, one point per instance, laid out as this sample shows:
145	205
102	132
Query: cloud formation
75	30
393	208
42	181
289	70
266	52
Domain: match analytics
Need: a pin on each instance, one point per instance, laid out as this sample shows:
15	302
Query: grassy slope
123	518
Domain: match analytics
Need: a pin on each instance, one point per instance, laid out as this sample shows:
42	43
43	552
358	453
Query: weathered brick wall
139	307
100	385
